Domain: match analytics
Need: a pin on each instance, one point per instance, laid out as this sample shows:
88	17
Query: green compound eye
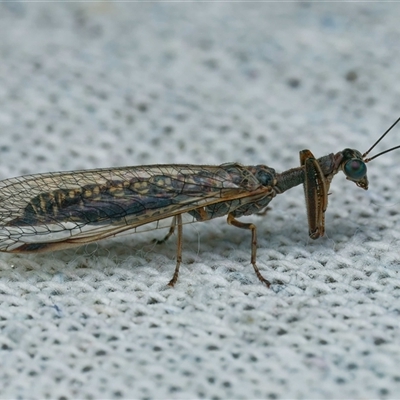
355	169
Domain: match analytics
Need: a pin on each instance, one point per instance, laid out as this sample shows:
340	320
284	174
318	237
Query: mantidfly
52	211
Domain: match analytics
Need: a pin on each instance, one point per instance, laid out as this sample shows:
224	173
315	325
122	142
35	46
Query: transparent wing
55	210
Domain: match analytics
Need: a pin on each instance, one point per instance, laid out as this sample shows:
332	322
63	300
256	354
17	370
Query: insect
52	211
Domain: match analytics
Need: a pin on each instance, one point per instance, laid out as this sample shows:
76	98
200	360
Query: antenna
383	152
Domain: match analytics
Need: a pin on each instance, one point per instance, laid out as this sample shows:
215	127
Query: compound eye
355	169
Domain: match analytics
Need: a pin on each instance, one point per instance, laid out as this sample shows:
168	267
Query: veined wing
55	210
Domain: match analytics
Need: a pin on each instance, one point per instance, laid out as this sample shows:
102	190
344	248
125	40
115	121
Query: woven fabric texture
101	84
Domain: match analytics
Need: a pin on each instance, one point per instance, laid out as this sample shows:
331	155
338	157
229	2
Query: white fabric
90	85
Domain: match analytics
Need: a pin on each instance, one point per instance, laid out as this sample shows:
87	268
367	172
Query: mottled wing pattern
55	210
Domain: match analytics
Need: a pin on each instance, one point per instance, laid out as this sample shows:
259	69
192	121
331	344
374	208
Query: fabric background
90	85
